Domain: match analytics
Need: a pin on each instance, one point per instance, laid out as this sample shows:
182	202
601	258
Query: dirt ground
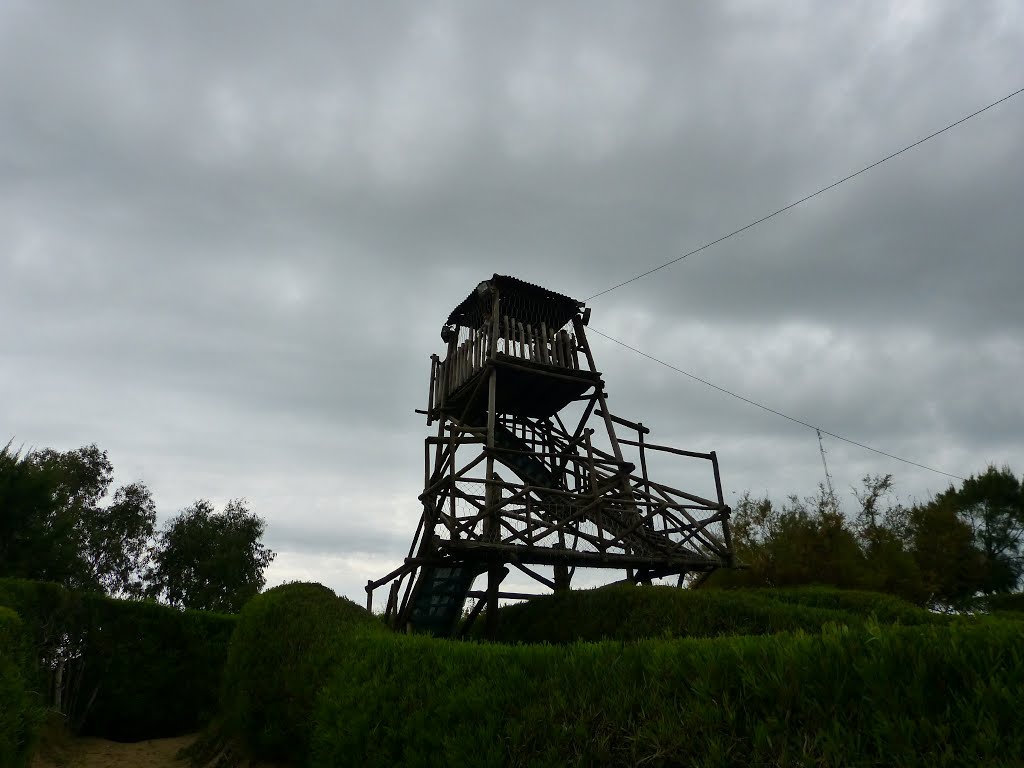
100	753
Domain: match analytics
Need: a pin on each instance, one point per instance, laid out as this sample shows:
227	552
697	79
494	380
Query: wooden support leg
494	577
562	577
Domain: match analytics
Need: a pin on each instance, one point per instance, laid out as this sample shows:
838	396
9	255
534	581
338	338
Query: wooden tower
526	469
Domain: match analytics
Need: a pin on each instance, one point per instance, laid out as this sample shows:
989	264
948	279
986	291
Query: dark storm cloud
229	234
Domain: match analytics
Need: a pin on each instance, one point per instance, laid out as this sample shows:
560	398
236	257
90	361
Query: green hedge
885	608
20	712
157	670
927	695
132	670
1013	602
634	613
280	655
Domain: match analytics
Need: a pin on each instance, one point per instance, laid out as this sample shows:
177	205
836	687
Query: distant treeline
59	523
943	553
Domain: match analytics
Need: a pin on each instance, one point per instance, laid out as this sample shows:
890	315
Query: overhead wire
763	219
772	410
833	185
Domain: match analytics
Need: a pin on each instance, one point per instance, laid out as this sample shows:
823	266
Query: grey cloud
229	233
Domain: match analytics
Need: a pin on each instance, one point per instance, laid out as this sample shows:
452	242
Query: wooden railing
538	344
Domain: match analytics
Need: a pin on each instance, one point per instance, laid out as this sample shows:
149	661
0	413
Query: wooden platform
525	388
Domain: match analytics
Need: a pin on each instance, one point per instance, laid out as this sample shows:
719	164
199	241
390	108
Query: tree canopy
59	522
942	552
209	560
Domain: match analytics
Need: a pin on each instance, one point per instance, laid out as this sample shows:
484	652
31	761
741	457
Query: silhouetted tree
209	560
952	568
992	505
56	527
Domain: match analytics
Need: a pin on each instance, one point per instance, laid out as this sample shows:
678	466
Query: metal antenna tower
824	463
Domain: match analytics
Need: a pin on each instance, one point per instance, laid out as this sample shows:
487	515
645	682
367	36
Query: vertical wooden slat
472	352
566	349
543	345
430	395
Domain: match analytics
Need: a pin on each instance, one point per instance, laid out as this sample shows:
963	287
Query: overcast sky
230	232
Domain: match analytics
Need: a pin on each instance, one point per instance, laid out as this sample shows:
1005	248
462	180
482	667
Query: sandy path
100	753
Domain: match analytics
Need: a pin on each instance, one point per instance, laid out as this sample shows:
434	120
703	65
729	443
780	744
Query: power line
772	410
808	197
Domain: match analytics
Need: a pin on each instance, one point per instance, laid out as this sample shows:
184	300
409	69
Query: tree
813	544
952	568
881	528
36	542
806	542
56	527
992	505
118	540
209	560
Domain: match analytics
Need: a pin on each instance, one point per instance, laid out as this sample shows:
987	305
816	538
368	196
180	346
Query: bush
285	643
20	712
633	613
129	670
927	695
157	670
883	607
1007	602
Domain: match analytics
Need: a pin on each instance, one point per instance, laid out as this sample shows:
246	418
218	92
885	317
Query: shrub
157	671
1013	602
128	670
280	654
633	613
20	712
883	607
927	695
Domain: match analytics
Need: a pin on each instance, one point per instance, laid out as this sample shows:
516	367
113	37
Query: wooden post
643	464
599	390
726	531
434	362
492	491
561	570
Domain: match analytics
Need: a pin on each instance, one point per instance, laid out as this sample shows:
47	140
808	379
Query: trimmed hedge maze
625	612
613	677
131	670
288	641
20	710
872	695
830	680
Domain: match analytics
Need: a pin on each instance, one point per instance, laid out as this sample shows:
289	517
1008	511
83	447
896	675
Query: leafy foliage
940	553
992	505
20	713
121	669
932	695
635	613
55	525
286	642
58	524
209	560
